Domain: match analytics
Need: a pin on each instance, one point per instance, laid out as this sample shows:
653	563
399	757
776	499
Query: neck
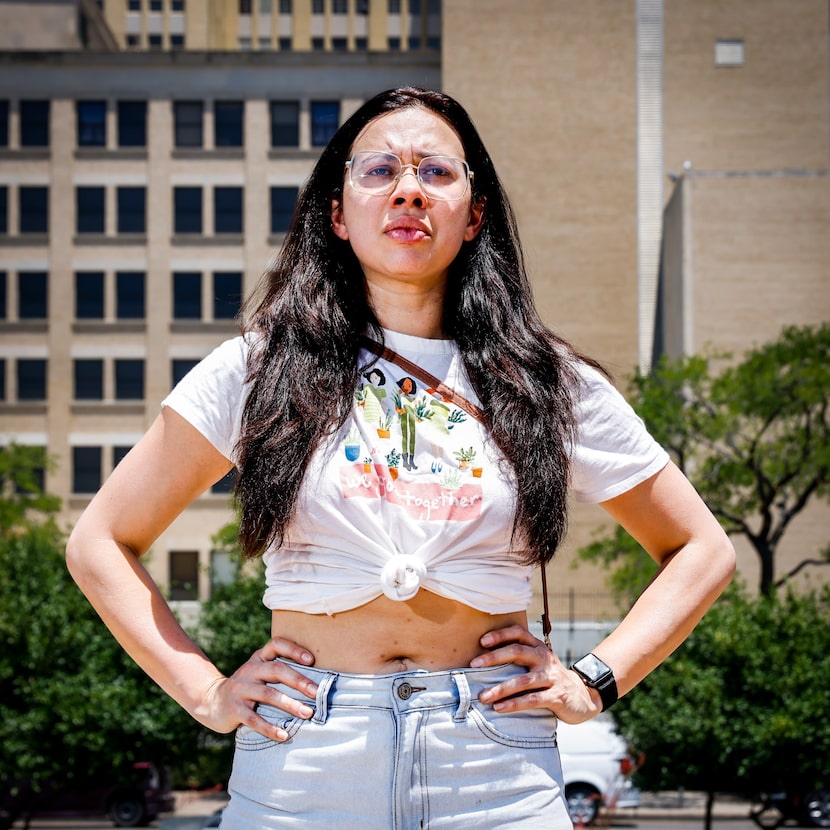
419	314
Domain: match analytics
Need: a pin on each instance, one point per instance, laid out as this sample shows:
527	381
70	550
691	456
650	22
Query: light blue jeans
400	752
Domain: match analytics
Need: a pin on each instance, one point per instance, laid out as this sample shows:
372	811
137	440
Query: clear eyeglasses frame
377	173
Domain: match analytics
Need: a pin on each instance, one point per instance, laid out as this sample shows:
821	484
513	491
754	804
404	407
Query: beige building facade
667	161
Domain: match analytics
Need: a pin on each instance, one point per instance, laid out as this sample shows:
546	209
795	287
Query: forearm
665	614
131	605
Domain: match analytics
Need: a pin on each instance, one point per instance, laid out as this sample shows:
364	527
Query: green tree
742	706
21	482
754	438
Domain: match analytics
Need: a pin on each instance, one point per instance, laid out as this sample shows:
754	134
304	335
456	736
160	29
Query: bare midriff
385	636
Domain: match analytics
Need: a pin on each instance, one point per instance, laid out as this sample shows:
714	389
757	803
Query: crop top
410	493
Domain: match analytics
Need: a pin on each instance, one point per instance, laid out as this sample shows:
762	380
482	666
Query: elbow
724	563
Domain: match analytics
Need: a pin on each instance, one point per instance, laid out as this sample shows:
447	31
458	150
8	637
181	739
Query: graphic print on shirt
389	428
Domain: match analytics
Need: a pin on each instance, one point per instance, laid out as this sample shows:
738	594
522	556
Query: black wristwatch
597	675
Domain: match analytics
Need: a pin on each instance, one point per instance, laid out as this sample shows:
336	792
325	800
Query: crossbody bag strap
471	409
425	377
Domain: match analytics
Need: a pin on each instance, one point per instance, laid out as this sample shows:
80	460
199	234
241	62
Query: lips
407	229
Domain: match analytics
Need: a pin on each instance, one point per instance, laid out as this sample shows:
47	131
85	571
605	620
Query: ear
476	220
338	225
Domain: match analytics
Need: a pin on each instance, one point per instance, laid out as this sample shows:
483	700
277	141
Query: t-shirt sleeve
614	452
211	396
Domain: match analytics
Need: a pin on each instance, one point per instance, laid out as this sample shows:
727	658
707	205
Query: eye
377	167
439	170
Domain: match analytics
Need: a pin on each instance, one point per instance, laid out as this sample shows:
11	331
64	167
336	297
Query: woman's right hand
231	701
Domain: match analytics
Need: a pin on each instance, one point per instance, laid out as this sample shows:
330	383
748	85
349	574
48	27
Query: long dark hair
314	310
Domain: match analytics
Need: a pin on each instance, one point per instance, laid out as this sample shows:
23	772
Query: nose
408	187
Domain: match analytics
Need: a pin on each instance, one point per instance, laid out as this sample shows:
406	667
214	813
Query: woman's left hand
546	684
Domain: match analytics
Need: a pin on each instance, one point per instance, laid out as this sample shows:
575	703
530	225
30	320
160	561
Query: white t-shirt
410	493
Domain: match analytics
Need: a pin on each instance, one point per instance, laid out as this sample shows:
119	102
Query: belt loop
321	702
464	696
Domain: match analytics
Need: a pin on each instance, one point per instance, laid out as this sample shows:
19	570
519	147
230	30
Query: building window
179	367
86	469
89	295
177	41
34	123
394	44
325	118
361	44
131	210
3	300
284	44
4	123
89	215
4	209
176	5
317	7
129	295
129	380
228	117
133	41
118	455
285	123
32	296
339	6
91	117
188	123
184	575
394	6
283	202
227	294
154	41
155	5
187	295
2	379
244	6
339	44
132	123
31	379
34	209
222	569
729	52
227	210
318	44
285	7
187	209
134	5
89	380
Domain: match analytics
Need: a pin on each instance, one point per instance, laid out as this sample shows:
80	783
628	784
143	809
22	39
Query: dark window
32	301
133	41
188	123
129	295
34	209
154	41
339	44
283	200
187	295
89	295
34	123
4	123
227	294
394	6
394	44
118	454
228	117
155	5
227	210
285	44
131	210
89	380
187	209
3	301
317	7
361	44
4	209
184	574
285	6
2	379
86	469
31	379
176	5
325	117
177	41
132	123
179	367
134	5
414	7
285	123
339	6
244	6
90	204
91	119
414	42
129	380
225	484
318	44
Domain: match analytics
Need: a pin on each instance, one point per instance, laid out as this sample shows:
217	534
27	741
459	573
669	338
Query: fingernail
306	657
487	639
306	711
485	695
477	663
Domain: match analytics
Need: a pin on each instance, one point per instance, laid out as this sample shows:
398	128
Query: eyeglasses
376	173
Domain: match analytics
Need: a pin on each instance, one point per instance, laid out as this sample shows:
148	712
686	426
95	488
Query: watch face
592	668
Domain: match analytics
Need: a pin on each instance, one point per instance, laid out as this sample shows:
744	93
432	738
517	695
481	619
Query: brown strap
425	377
471	409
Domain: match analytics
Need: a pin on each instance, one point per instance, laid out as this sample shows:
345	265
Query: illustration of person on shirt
373	410
405	407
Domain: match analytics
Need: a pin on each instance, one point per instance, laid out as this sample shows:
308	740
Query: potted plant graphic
367	464
464	457
393	460
384	423
352	445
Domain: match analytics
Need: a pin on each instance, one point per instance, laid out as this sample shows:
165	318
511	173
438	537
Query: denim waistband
412	690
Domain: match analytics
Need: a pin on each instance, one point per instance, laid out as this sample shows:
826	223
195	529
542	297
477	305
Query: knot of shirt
401	576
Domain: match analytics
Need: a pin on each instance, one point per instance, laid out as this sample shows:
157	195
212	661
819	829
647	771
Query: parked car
597	767
131	800
806	809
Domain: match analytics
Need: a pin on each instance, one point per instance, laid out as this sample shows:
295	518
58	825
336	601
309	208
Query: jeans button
404	691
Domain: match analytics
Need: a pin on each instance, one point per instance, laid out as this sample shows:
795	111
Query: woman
401	686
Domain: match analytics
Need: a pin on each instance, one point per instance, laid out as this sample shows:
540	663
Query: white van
596	766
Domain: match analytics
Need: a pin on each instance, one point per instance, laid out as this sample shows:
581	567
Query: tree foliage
754	438
742	705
